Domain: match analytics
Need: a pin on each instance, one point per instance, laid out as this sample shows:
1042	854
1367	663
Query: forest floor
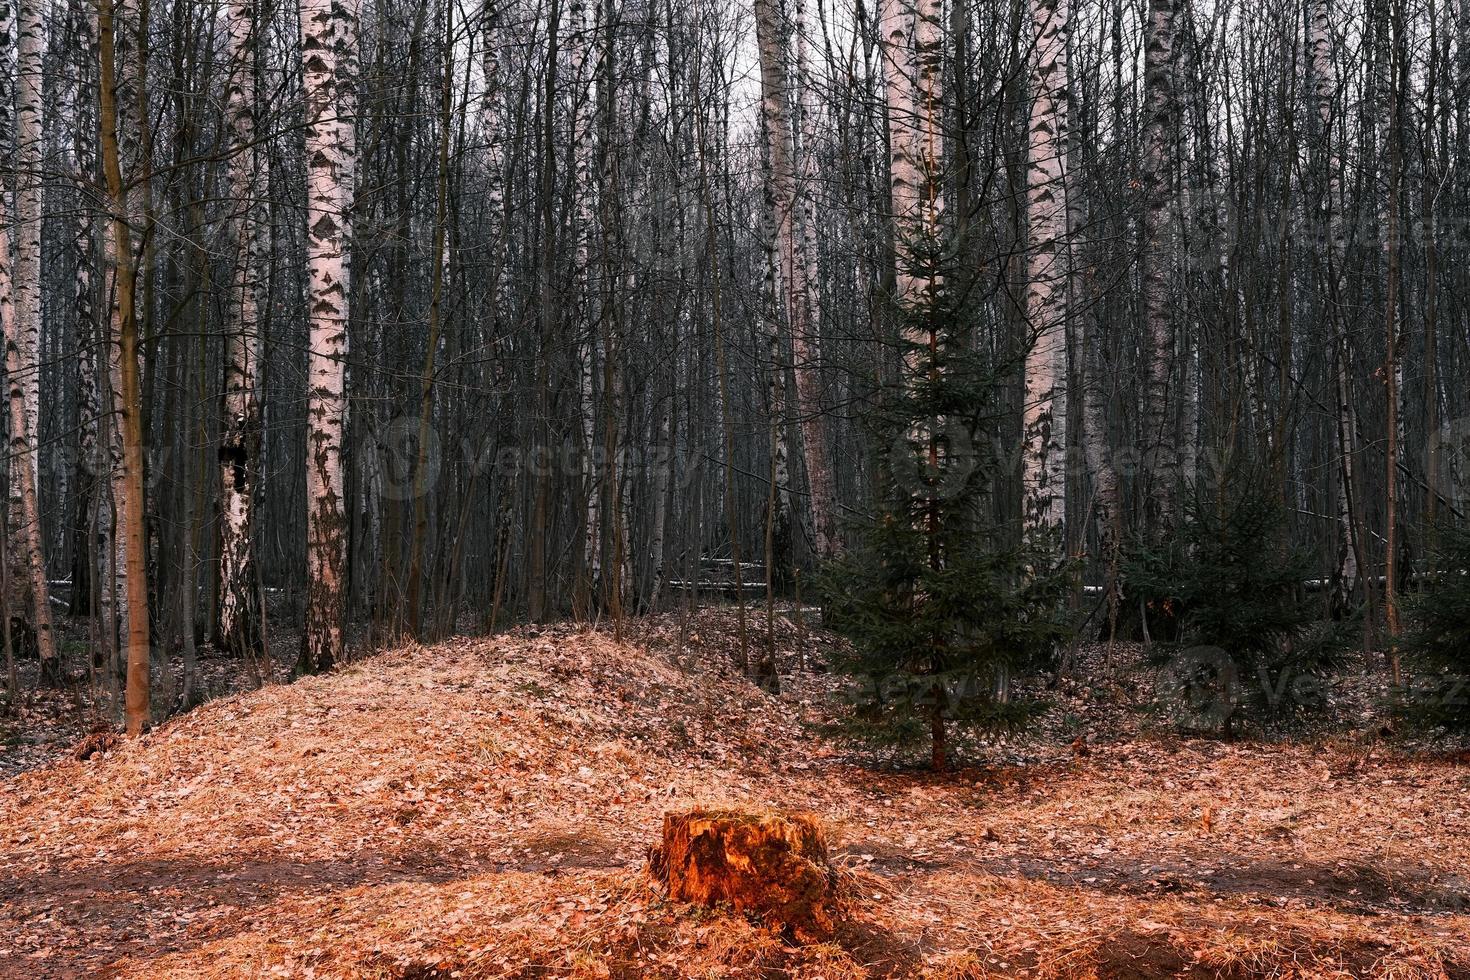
481	808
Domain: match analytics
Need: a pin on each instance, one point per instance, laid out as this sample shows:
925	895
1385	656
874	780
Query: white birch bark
663	466
492	109
1324	92
578	49
913	86
1159	115
22	468
27	606
1044	412
795	248
329	71
775	355
89	336
28	142
237	627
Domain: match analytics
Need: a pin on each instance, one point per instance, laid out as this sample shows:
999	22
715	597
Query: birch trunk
805	333
492	109
16	598
1159	114
795	248
28	142
22	470
913	85
580	44
1044	415
1397	57
89	335
238	616
329	53
1325	98
29	597
778	519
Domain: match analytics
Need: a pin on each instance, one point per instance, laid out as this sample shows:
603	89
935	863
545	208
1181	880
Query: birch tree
1325	105
89	335
29	597
1154	260
579	48
911	35
26	521
28	143
238	606
329	79
1044	411
794	246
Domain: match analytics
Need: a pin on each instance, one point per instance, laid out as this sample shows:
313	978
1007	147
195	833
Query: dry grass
481	809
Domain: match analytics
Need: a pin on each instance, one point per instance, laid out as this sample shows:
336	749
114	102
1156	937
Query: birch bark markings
1393	340
329	74
1044	412
804	302
1159	114
795	263
1325	97
237	627
90	496
913	80
29	598
28	141
579	47
778	521
492	111
22	470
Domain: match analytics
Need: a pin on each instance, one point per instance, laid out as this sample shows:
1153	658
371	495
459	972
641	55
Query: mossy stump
773	868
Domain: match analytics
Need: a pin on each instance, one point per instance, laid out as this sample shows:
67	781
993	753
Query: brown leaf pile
480	808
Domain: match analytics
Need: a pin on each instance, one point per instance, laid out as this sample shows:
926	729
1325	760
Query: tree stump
771	867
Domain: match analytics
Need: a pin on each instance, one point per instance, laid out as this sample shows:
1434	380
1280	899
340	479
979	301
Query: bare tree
118	29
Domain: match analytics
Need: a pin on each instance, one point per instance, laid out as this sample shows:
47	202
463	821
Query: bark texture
119	29
913	61
795	258
773	868
1044	413
29	598
1155	261
26	543
237	628
329	52
1326	105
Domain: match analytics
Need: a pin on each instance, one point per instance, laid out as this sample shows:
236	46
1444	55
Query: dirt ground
481	808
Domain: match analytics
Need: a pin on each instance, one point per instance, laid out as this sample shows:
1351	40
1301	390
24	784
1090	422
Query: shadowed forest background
384	316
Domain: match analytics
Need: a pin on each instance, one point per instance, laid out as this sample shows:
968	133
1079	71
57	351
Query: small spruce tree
1230	580
1438	643
939	602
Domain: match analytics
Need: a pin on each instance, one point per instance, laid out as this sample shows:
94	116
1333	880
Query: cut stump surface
771	867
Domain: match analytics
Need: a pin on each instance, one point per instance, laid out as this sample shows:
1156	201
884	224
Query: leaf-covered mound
481	808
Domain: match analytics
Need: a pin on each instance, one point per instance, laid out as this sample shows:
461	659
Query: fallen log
771	867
